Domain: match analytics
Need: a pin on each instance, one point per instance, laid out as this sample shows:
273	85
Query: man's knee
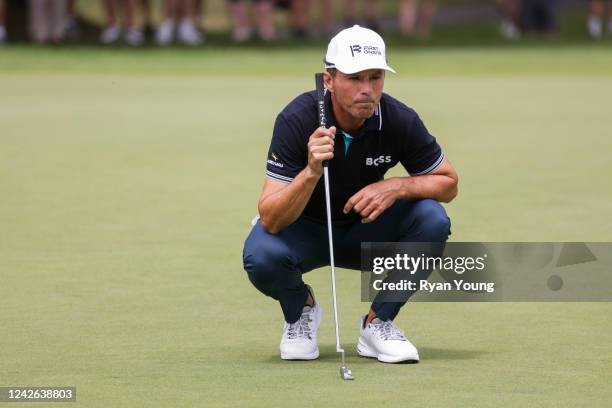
434	224
266	261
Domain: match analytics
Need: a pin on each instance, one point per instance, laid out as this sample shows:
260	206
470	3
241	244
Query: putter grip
321	105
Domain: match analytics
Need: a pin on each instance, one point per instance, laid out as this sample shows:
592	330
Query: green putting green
128	181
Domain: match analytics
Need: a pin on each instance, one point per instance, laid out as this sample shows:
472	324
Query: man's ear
328	80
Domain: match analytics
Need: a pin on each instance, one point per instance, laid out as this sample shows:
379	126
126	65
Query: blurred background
138	23
133	143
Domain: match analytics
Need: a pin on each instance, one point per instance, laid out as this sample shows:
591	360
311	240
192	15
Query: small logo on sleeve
274	161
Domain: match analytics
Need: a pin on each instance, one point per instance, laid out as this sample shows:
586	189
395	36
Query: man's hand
320	148
372	200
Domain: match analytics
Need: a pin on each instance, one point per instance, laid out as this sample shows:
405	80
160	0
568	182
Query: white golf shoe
134	38
2	35
385	342
299	341
188	34
165	33
110	35
595	27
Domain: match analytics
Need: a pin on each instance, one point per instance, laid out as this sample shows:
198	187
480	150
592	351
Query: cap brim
352	69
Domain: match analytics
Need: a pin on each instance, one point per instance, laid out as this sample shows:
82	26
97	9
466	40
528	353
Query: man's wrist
312	174
400	186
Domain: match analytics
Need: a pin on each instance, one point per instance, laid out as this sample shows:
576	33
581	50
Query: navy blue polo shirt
395	133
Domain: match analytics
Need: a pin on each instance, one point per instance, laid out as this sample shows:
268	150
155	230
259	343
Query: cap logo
369	49
366	49
355	49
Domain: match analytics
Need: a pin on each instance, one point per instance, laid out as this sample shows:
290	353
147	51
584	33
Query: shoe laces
301	328
388	331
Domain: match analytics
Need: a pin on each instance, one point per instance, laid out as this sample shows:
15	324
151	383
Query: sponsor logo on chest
377	161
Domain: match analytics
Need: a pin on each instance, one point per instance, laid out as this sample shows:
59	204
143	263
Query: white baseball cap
356	49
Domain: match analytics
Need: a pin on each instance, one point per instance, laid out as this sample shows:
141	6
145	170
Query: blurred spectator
72	26
416	17
540	16
2	24
598	10
300	18
511	18
371	13
147	20
179	20
132	35
197	15
264	19
326	22
47	20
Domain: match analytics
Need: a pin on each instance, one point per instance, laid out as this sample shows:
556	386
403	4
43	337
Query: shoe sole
312	356
364	351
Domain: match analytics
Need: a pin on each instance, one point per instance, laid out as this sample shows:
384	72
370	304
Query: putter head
346	373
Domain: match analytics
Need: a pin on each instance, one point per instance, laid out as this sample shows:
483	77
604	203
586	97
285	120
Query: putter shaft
345	372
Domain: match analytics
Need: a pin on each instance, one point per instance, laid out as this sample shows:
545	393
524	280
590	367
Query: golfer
369	133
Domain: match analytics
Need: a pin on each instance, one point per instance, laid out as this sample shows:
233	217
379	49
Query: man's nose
366	88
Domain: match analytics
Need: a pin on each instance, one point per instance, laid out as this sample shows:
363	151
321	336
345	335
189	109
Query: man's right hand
320	148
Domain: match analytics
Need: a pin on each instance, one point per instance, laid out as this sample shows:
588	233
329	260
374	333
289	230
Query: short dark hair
331	71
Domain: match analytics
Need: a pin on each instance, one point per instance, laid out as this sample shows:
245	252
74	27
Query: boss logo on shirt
376	161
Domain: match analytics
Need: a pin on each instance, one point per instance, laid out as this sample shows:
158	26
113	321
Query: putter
345	372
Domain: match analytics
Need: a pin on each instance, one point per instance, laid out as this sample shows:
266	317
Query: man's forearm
435	186
283	207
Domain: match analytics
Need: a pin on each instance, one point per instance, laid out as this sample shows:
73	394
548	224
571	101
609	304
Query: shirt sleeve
287	155
421	154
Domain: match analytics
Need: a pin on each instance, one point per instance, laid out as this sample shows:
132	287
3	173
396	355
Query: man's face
357	94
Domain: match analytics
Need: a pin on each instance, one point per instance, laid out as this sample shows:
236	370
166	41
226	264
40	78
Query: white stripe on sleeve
431	168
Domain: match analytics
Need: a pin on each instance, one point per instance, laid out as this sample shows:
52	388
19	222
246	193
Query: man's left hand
372	200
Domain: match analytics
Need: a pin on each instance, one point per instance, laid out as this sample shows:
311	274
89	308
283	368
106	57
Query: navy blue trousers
275	262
